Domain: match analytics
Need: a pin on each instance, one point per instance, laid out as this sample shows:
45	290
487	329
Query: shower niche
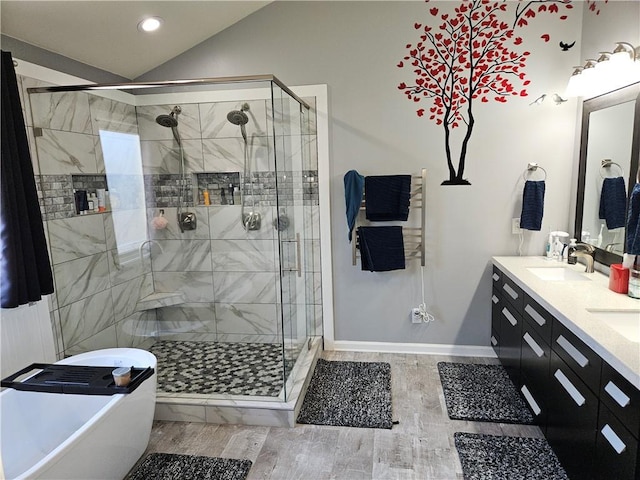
248	274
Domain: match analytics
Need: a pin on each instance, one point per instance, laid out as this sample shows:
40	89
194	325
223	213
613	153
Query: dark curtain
25	272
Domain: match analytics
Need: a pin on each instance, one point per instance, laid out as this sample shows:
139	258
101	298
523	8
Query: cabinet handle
539	319
494	342
512	293
495	299
530	400
511	318
533	344
495	277
617	394
573	351
613	439
570	388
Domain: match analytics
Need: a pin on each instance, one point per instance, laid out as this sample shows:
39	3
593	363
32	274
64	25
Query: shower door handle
298	267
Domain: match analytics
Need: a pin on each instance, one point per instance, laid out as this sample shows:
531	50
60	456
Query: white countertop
569	302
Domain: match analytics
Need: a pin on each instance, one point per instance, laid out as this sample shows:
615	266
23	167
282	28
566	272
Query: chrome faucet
587	252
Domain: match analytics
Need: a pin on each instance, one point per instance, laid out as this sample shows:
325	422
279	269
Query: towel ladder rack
415	237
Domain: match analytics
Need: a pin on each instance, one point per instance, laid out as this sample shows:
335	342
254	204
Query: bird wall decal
539	100
558	100
566	46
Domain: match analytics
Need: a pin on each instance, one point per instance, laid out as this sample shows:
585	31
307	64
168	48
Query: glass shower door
289	119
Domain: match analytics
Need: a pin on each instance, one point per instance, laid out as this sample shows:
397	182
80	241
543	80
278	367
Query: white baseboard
419	348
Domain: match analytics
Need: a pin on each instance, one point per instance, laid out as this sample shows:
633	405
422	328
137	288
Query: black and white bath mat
483	393
349	394
490	457
169	466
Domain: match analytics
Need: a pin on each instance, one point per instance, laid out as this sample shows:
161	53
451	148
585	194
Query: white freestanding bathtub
58	436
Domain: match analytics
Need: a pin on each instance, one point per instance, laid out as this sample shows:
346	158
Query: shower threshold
262	410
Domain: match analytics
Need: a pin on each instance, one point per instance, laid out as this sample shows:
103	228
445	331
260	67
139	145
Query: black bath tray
76	379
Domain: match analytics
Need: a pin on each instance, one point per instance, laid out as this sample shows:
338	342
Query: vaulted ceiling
104	34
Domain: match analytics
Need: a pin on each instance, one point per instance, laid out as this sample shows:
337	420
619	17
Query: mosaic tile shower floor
220	368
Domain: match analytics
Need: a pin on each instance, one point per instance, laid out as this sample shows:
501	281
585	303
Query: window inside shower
228	305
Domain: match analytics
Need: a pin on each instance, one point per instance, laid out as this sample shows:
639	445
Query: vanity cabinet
589	413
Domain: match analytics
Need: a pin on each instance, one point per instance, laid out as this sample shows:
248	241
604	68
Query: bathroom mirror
609	149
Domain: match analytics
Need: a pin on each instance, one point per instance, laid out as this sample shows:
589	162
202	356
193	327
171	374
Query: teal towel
353	192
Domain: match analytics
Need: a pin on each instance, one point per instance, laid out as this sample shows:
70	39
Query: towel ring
532	167
607	163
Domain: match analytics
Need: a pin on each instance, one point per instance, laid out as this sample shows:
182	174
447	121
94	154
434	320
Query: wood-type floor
420	446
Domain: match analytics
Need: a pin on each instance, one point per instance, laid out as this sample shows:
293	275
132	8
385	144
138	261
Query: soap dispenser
572	259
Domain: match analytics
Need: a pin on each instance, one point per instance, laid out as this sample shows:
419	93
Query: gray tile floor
419	447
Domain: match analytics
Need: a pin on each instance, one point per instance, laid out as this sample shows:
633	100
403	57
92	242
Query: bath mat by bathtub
348	394
169	466
482	393
490	457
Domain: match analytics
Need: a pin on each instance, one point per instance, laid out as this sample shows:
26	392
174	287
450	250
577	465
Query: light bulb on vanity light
575	87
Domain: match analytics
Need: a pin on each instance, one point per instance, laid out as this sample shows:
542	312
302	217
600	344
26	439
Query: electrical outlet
515	226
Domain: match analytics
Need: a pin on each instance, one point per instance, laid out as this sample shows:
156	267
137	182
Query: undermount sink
625	322
558	274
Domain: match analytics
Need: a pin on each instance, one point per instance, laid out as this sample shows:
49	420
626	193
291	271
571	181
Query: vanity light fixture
611	70
150	24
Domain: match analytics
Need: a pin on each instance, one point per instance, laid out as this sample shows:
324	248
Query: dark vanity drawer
496	277
512	293
534	358
617	454
622	399
510	333
580	358
538	318
495	342
536	400
496	308
572	420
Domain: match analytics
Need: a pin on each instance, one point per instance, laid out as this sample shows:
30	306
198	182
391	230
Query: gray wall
354	47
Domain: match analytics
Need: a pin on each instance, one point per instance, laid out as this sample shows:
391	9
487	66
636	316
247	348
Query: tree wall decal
468	57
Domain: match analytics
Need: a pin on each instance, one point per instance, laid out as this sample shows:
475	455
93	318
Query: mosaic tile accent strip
162	190
213	182
223	368
55	194
89	183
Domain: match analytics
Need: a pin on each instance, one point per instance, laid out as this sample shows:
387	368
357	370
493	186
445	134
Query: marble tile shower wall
229	277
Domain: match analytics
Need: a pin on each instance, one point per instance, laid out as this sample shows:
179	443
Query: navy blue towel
532	205
387	197
353	191
613	202
381	248
633	222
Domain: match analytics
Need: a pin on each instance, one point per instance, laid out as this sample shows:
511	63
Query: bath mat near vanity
169	466
482	393
485	457
348	394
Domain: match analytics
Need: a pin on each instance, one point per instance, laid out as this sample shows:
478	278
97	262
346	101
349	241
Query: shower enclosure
201	243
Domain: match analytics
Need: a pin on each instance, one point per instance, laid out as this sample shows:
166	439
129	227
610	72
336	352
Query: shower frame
204	82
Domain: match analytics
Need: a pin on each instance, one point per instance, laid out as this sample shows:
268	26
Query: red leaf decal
420	112
401	64
522	22
402	86
523	93
530	13
416	99
445	16
517	41
484	99
417	25
563	17
545	37
542	8
434	11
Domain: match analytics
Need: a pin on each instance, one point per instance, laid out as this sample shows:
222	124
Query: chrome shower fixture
171	121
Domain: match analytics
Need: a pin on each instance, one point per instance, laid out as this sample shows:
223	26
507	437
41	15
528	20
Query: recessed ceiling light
150	24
